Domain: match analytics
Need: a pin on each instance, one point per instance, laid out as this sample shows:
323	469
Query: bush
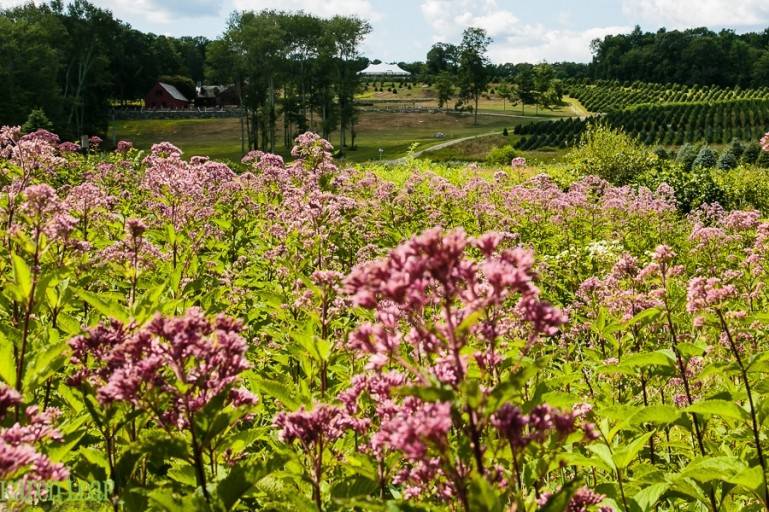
736	148
692	187
36	120
686	155
727	160
661	153
763	159
744	187
612	155
501	155
750	155
505	133
707	158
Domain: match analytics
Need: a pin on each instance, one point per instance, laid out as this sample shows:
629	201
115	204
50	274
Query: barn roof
173	91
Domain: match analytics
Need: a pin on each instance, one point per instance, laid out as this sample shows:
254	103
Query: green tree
505	92
31	64
441	58
707	158
524	88
686	156
444	86
474	74
36	120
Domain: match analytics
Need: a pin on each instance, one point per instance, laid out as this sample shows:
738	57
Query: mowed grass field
393	132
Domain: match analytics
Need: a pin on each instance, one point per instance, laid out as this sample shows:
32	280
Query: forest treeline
695	57
72	60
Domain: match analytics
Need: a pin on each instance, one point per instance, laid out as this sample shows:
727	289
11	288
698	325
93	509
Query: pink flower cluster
308	427
521	429
580	501
432	270
414	427
19	456
124	146
765	142
171	366
46	212
705	293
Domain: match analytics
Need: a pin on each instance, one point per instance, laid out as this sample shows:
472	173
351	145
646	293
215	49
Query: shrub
686	155
727	160
612	155
661	153
763	159
707	158
736	148
750	155
501	155
505	133
692	187
37	120
744	187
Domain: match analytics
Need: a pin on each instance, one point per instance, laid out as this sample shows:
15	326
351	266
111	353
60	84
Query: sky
404	30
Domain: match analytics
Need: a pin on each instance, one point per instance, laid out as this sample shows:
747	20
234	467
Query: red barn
164	95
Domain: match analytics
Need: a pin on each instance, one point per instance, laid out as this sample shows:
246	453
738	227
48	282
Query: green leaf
108	310
577	459
483	497
47	361
625	456
324	349
184	473
649	359
353	487
469	321
656	414
604	453
647	497
7	366
279	391
690	349
238	483
705	469
643	316
749	478
95	457
722	408
22	277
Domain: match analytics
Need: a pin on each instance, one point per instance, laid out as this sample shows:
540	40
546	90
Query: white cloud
449	17
691	13
535	43
162	11
325	8
150	11
514	41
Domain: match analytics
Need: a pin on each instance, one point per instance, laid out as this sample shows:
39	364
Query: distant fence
129	113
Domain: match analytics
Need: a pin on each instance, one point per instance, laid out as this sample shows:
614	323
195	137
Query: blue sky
523	30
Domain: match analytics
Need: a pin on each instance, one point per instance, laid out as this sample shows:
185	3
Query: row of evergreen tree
666	124
605	95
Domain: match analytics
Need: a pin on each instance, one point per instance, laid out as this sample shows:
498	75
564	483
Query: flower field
303	336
